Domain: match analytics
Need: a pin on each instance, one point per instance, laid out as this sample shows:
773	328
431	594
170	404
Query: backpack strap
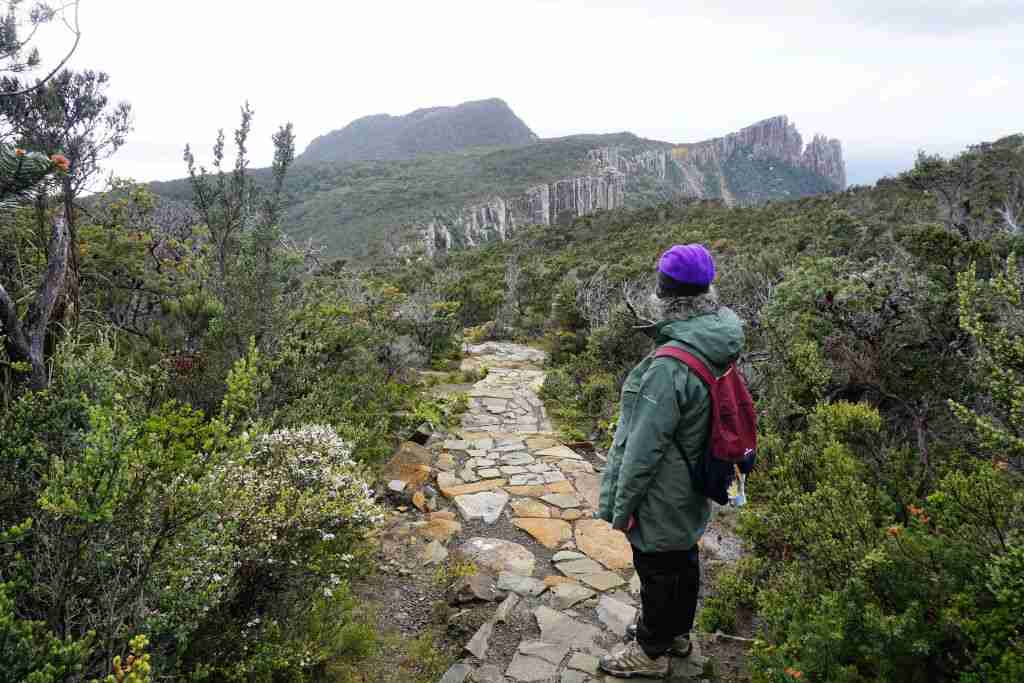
689	360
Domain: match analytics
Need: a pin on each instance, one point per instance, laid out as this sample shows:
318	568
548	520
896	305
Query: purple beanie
685	270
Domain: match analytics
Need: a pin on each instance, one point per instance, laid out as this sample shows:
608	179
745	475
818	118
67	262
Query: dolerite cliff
545	204
767	160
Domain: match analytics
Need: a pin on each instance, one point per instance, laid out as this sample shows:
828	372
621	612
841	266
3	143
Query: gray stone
523	585
488	673
539	468
566	555
483	444
489	473
498	555
562	500
518	459
477	586
602	581
445	462
512	469
477	645
525	480
549	652
565	595
467	476
457	673
397	486
501	614
528	669
552	477
556	627
579	567
574	677
583	662
477	463
615	615
456	445
486	505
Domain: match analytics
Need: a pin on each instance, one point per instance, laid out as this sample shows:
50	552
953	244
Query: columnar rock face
762	161
824	156
546	204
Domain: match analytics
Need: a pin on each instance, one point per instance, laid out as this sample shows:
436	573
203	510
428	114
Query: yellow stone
597	539
571	514
420	501
532	491
559	487
463	489
528	507
439	529
551	533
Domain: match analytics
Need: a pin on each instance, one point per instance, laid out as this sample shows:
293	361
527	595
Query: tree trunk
26	339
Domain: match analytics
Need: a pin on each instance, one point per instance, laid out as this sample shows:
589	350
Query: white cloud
989	87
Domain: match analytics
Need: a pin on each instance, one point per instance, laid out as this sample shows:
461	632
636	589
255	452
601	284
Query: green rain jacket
664	418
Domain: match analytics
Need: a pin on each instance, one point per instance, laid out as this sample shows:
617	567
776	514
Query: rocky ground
493	526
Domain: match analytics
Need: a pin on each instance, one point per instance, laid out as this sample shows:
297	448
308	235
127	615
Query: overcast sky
887	77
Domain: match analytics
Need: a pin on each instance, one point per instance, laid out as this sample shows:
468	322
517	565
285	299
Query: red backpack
732	443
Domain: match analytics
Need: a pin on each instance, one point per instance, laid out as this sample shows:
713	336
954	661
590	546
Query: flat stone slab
579	567
463	489
602	581
489	473
589	487
517	459
520	585
570	676
498	555
526	480
477	645
556	627
567	555
559	452
615	615
583	662
527	507
551	533
601	542
549	652
565	595
527	669
486	505
562	500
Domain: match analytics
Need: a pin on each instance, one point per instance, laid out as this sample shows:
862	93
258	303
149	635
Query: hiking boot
631	661
681	645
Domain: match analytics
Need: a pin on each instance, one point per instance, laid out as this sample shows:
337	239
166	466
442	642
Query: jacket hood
716	336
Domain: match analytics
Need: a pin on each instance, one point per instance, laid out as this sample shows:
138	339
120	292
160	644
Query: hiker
647	490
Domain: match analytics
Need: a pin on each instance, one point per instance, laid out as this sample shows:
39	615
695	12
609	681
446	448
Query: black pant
669	584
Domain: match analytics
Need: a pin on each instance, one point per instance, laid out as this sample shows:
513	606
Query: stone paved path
507	496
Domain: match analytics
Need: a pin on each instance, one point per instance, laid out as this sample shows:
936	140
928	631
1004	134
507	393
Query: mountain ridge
435	201
430	130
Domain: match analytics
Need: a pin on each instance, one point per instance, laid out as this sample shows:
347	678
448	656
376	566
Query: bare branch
76	30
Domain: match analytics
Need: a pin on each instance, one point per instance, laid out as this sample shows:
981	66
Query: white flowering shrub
300	499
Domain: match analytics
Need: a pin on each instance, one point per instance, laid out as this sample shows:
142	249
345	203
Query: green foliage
735	589
991	312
